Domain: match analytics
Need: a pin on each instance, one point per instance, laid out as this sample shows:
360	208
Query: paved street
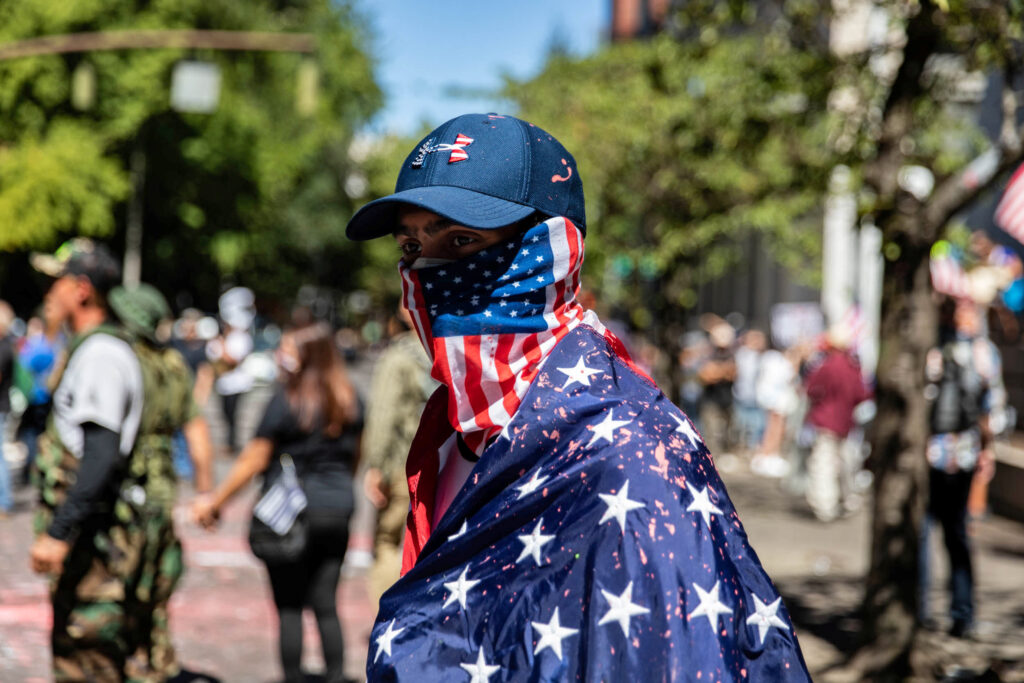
224	622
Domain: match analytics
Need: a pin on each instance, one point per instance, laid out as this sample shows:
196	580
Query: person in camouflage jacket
106	483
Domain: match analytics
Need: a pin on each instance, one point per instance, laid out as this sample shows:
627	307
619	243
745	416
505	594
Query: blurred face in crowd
288	354
66	294
967	319
425	234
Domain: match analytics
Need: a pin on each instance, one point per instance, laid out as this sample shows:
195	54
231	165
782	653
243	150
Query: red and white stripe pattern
458	151
488	356
949	277
1010	211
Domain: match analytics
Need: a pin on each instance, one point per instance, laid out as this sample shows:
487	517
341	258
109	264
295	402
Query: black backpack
958	404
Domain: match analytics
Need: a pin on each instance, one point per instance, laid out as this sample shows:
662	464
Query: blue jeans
750	421
6	501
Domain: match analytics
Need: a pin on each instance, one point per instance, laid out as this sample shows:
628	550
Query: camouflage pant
110	601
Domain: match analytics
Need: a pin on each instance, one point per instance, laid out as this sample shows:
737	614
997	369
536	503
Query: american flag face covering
489	320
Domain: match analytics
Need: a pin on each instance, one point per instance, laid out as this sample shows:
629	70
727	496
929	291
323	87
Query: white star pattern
621	609
384	640
607	427
686	429
578	373
526	252
529	487
480	670
472	266
540	278
540	259
702	504
460	589
618	506
533	543
552	634
487	314
764	617
460	532
457	280
429	285
710	606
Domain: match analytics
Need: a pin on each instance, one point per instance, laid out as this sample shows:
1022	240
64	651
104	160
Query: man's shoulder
106	349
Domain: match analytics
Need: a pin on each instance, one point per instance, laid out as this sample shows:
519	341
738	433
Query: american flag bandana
593	540
489	320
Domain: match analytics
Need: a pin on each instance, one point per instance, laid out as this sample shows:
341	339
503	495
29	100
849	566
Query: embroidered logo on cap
457	149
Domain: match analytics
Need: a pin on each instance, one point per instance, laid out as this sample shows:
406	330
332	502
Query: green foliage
58	182
686	147
253	193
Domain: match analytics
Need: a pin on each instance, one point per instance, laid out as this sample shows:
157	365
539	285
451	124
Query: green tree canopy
253	193
684	148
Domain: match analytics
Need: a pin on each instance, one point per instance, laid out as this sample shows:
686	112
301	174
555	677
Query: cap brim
47	264
465	207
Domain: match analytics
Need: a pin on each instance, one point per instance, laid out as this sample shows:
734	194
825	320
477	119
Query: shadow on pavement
825	607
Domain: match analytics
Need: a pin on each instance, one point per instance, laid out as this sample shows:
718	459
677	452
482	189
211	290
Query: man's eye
463	240
409	248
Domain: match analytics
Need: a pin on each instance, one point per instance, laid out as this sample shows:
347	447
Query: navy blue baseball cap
483	171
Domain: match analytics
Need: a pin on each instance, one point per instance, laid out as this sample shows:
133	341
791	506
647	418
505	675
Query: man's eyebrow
431	228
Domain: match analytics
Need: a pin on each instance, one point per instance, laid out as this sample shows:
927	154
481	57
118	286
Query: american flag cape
592	541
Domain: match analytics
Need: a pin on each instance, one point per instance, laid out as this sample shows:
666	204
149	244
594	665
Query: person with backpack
106	484
959	436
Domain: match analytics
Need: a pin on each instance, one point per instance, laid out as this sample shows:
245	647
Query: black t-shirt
194	352
324	464
6	372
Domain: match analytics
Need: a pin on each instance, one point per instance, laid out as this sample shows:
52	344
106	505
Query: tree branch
957	191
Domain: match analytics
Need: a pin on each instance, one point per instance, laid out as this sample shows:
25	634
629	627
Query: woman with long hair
313	417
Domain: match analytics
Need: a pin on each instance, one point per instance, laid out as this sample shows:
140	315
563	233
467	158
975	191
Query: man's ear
85	293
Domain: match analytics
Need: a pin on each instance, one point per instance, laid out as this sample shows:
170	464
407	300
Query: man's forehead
412	219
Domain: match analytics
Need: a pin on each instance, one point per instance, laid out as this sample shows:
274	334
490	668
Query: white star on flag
480	671
460	532
618	506
578	373
606	428
529	487
702	504
533	543
552	634
621	609
460	589
384	640
764	617
686	429
710	606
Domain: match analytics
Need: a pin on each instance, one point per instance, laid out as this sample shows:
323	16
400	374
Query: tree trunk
898	439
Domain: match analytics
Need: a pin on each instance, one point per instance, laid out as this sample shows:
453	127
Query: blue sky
425	48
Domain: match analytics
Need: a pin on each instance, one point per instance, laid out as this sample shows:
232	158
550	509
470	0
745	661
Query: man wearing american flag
566	520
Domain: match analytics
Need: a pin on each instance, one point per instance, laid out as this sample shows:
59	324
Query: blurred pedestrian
7	353
834	389
960	437
749	416
42	351
777	395
399	389
228	352
717	373
310	430
168	409
548	473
